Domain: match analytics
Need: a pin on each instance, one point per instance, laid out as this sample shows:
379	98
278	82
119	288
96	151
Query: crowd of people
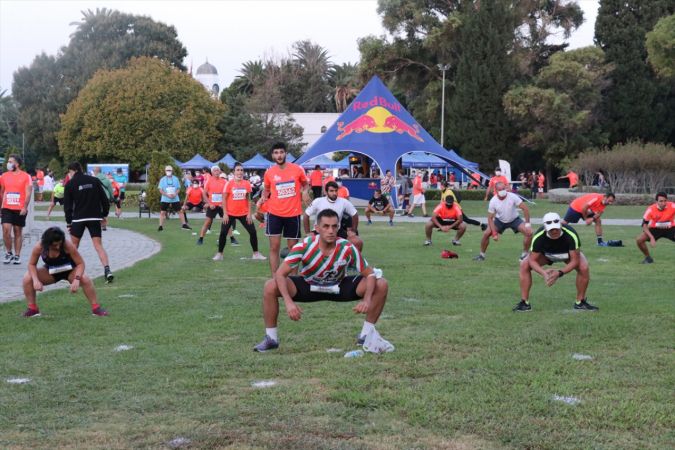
327	264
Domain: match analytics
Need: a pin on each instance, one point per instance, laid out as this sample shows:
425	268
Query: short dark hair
379	191
610	194
17	158
279	145
317	167
326	213
332	184
76	166
661	194
51	235
237	164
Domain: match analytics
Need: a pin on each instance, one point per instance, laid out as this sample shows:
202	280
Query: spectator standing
316	180
122	181
541	183
16	190
40	176
387	183
169	188
418	196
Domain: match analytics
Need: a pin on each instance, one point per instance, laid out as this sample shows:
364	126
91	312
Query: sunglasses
549	222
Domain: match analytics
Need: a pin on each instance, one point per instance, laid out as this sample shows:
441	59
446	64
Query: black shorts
169	206
347	290
94	227
58	201
13	216
317	191
658	233
572	216
514	224
287	227
444	222
60	276
193	206
212	213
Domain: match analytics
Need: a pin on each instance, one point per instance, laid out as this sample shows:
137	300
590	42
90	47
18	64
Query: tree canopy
661	47
124	114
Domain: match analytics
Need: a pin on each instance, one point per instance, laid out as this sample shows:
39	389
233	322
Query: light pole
443	68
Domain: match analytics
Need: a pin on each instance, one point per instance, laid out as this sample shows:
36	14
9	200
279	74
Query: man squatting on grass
553	243
658	222
321	263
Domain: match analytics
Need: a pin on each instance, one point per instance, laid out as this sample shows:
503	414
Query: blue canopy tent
423	160
257	162
325	162
197	162
228	160
343	163
376	125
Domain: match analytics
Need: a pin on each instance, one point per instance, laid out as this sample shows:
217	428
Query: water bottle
354	354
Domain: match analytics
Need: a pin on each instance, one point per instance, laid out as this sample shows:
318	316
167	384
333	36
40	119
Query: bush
136	187
631	168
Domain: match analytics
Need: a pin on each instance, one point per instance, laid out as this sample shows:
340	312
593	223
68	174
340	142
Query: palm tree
252	75
344	79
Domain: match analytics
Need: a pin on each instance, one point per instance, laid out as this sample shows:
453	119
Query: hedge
468	194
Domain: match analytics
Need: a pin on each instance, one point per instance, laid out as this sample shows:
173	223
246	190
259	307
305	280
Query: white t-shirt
505	210
340	206
49	183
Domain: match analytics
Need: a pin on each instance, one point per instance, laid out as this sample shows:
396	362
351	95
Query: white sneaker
218	257
208	231
235	233
258	257
427	243
16	260
8	258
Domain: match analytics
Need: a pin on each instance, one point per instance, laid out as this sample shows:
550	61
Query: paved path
124	248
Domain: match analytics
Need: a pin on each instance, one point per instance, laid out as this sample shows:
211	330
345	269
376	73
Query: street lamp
443	68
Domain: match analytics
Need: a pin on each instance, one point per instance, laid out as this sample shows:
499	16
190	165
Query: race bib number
663	225
60	269
329	289
216	198
557	257
285	189
13	199
170	190
238	194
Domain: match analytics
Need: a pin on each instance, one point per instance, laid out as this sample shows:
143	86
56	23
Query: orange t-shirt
417	186
316	177
495	180
214	190
594	202
541	180
194	195
14	184
573	177
343	192
445	213
284	186
660	219
40	175
236	198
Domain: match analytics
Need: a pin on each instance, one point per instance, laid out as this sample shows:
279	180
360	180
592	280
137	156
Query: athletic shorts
419	199
514	224
58	201
169	206
317	191
94	227
60	276
347	290
193	206
13	216
444	222
572	216
212	213
286	227
658	233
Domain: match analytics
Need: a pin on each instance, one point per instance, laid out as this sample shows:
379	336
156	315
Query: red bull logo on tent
378	119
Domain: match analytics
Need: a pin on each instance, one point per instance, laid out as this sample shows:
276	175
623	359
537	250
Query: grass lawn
467	372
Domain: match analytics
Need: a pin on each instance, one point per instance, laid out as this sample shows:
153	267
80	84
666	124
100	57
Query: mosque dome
206	69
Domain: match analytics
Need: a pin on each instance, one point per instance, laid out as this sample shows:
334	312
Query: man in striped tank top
322	262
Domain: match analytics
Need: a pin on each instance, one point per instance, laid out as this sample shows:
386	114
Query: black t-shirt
379	203
556	249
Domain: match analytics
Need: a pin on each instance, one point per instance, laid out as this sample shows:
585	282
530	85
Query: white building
313	124
207	75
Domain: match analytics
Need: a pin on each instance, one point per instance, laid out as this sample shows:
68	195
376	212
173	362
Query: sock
367	328
106	268
33	307
482	254
599	239
94	306
579	301
273	333
527	302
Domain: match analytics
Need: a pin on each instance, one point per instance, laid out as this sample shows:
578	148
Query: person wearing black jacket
86	205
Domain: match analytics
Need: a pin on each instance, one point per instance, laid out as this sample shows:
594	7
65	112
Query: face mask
502	193
10	166
497	173
168	173
195	186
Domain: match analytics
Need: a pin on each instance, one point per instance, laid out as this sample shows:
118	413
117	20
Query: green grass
466	373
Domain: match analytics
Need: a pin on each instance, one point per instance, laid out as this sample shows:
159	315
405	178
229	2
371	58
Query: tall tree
478	125
9	116
637	104
344	80
104	39
661	47
124	114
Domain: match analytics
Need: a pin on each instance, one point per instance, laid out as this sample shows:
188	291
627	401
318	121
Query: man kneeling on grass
321	262
553	243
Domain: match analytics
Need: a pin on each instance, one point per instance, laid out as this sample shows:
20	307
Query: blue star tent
228	160
376	125
197	162
257	162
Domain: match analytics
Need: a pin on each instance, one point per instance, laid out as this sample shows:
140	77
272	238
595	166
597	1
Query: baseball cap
551	221
168	168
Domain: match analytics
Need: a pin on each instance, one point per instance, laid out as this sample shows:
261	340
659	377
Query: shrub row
468	194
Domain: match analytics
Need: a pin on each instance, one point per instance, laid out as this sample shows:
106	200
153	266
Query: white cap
168	168
554	220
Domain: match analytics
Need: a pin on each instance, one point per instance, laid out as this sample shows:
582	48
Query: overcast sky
228	33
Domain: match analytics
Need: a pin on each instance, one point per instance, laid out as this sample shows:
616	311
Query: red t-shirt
495	180
236	198
660	219
285	188
316	177
594	202
417	186
194	195
541	180
574	178
444	213
14	184
343	192
214	190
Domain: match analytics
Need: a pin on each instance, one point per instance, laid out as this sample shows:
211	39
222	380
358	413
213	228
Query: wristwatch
560	273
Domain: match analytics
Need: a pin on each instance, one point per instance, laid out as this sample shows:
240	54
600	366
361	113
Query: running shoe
585	306
185	226
602	244
99	312
391	223
109	277
160	228
647	260
16	260
360	340
456	242
8	258
200	241
370	222
479	258
522	307
412	216
218	257
31	313
234	242
522	256
258	257
427	243
236	232
267	344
